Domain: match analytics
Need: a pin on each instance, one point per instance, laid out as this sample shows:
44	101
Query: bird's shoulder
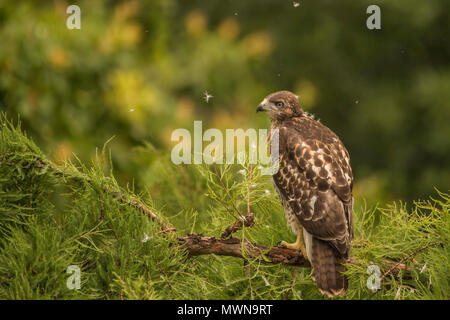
312	148
307	128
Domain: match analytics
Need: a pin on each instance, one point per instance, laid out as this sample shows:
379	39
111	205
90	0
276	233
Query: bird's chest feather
291	218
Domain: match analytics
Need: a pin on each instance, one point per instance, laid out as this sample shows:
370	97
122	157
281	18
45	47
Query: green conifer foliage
56	215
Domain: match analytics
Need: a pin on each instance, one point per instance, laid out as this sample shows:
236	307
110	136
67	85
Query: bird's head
281	105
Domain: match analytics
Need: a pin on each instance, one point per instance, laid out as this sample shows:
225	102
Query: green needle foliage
56	215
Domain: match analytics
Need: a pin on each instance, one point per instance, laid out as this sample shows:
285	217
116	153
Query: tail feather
327	269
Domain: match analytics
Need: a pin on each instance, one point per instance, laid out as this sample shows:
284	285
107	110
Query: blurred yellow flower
131	34
307	93
132	94
122	30
58	58
121	35
195	23
185	109
125	10
60	8
229	29
257	44
222	119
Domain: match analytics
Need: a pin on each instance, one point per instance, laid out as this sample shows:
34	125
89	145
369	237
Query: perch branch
199	245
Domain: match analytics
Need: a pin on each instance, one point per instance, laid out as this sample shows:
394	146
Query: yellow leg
297	245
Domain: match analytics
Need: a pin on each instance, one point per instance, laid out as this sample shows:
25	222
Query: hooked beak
260	108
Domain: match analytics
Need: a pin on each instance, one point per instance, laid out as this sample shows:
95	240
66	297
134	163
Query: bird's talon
283	244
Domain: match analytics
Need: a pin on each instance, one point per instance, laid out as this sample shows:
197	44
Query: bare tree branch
199	245
248	221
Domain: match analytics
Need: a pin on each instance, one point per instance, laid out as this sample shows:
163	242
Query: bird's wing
316	180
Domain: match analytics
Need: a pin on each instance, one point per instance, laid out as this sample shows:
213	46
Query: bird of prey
314	183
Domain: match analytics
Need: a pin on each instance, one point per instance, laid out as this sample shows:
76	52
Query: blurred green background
138	70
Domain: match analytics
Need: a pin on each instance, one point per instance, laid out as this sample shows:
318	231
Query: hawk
314	183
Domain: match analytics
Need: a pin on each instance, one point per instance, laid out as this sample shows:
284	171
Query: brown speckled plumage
314	183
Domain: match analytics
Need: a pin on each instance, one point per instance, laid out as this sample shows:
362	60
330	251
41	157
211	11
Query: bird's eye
280	104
